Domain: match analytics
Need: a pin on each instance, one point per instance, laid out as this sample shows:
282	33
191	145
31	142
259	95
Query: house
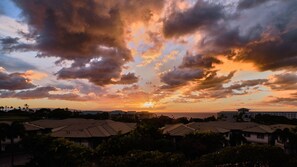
244	114
88	132
251	132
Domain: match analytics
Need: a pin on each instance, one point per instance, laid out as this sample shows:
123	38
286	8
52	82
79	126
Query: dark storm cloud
198	61
14	81
43	92
213	81
245	4
37	93
129	78
202	14
83	30
9	43
269	40
270	44
193	67
213	87
102	72
222	39
180	77
273	54
14	64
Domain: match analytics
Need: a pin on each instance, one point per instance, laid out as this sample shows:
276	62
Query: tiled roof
31	127
85	128
221	127
178	130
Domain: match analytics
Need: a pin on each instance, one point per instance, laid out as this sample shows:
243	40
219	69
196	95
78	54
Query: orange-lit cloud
155	55
35	75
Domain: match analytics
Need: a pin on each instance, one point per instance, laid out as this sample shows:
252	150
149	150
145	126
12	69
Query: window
260	136
247	135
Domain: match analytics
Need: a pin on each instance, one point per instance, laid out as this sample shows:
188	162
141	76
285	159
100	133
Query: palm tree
26	107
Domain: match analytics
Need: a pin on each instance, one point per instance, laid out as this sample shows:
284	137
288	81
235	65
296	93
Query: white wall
253	138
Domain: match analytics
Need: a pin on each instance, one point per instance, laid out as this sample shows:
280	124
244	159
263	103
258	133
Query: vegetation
147	145
143	159
50	152
271	119
246	156
11	131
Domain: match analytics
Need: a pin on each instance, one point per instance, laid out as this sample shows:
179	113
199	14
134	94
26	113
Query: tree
3	133
236	138
26	107
197	144
47	151
143	159
14	130
244	156
60	113
289	139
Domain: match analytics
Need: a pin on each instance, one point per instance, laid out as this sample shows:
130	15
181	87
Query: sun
148	104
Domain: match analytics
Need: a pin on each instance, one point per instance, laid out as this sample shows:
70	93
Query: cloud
14	81
213	87
1	9
85	88
180	77
130	88
247	84
267	40
9	44
213	81
44	92
100	72
35	75
150	54
283	81
192	68
246	4
14	64
273	54
82	31
202	14
129	78
198	61
291	100
270	40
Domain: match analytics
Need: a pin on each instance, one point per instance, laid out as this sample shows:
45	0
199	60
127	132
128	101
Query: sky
154	55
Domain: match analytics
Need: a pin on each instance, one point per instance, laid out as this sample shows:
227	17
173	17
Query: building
250	132
244	114
88	132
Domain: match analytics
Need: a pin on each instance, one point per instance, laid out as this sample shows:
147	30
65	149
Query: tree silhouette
3	133
14	130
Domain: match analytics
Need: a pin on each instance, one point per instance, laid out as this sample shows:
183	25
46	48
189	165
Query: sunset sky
155	55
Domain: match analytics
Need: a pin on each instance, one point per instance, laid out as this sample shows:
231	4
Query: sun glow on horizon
148	104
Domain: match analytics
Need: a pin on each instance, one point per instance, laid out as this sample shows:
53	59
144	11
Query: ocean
185	114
